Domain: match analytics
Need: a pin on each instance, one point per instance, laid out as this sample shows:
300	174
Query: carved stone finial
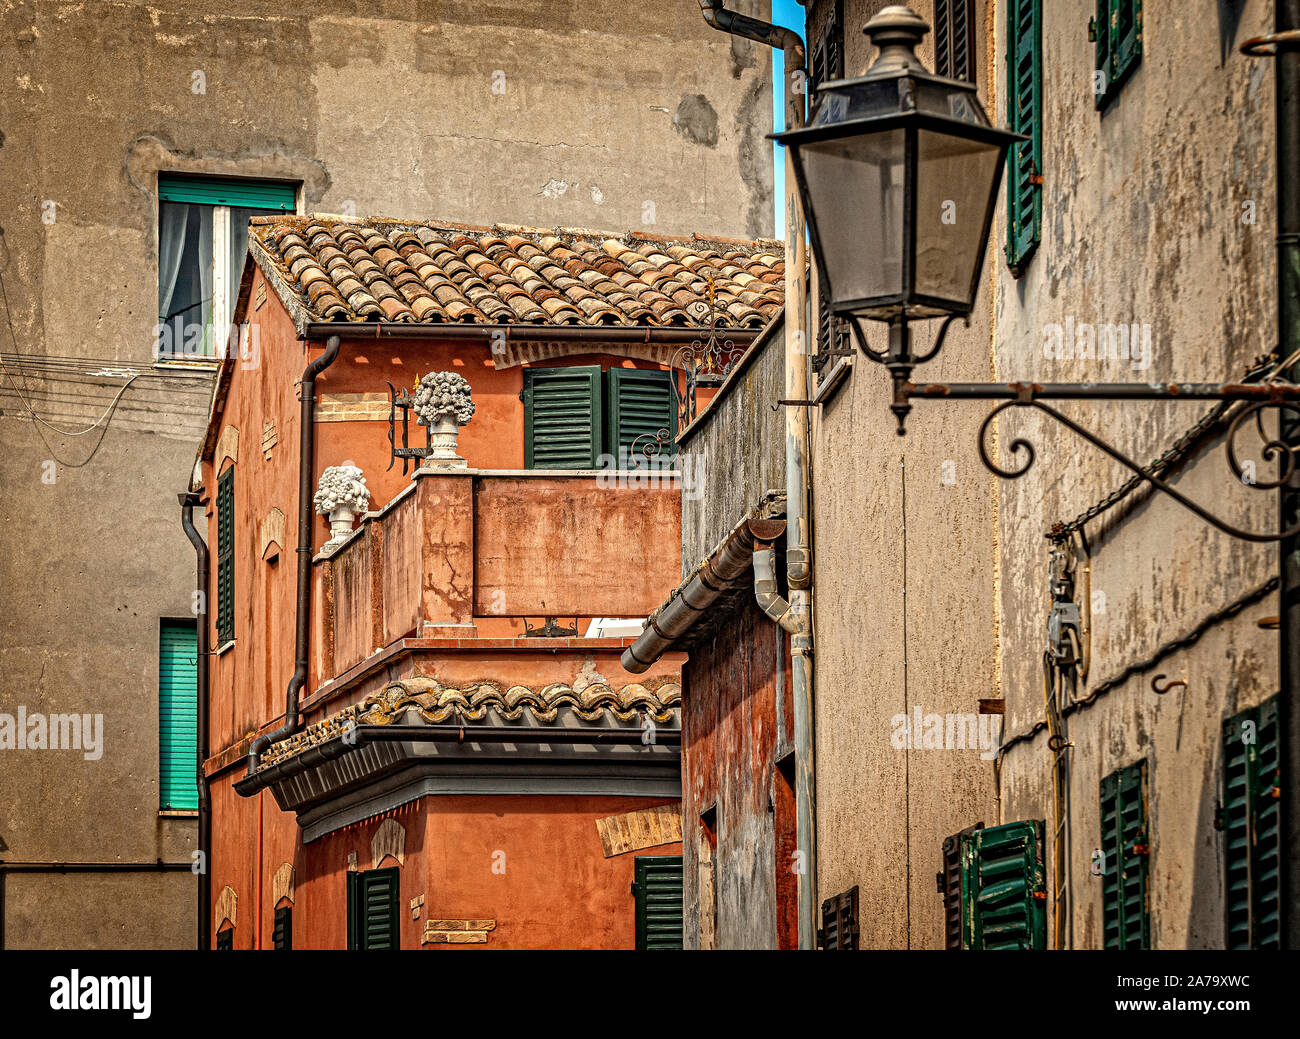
341	495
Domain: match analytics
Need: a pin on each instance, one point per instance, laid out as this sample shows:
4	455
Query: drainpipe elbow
769	599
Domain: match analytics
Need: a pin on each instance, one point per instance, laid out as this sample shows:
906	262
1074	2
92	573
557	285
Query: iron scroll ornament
1272	449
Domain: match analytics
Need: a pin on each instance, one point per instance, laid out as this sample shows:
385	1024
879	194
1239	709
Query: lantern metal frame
897	31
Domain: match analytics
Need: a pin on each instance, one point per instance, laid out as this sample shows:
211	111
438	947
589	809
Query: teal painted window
1125	846
373	916
1116	32
1024	116
178	716
226	557
1251	821
202	241
574	415
282	932
1003	886
658	891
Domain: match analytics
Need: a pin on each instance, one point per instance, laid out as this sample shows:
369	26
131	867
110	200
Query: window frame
223	195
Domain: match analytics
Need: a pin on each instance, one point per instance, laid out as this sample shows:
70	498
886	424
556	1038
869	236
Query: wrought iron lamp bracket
1257	397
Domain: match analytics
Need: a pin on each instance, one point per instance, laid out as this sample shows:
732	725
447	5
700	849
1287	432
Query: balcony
466	554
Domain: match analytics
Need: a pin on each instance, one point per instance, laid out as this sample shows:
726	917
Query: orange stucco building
460	759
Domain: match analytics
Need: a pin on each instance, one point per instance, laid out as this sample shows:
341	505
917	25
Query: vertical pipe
1286	16
188	501
306	474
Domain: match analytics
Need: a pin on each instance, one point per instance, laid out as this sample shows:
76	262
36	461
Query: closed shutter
1003	887
954	47
1126	921
563	426
373	916
220	191
282	933
658	891
827	62
1024	116
839	929
641	410
226	940
226	557
1251	817
178	716
1117	35
949	883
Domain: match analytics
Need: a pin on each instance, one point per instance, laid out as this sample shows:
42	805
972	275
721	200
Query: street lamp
899	174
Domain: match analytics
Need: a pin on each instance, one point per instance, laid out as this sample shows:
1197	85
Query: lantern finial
897	30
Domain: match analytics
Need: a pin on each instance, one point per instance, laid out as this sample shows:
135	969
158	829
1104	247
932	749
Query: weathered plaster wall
736	452
737	724
903	615
605	108
1143	211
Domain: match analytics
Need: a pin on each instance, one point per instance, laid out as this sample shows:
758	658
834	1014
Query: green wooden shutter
1126	920
282	933
658	891
563	427
640	409
373	916
226	557
1025	116
1251	821
178	716
225	191
1117	35
1003	887
949	883
226	940
954	45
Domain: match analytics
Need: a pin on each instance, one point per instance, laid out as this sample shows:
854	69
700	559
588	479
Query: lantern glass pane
954	186
855	195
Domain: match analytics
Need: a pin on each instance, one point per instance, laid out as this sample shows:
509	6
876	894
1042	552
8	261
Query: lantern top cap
897	30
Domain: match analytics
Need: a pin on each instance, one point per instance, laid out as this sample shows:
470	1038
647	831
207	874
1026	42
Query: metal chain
1177	450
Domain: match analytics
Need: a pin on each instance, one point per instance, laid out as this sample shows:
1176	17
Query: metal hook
1161	690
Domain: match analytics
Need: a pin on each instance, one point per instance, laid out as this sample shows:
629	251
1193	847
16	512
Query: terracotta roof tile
429	272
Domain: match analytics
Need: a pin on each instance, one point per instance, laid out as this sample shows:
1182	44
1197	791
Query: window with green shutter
574	415
1116	32
641	414
949	883
1125	846
658	891
226	557
226	940
1250	818
1004	890
563	420
1024	116
373	916
282	933
178	716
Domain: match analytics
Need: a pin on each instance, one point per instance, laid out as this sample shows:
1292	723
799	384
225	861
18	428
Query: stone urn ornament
442	402
341	495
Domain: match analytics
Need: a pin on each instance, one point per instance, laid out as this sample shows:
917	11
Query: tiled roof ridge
435	703
327	220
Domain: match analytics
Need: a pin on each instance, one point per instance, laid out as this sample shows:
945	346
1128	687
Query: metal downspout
188	501
798	555
302	639
1286	20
